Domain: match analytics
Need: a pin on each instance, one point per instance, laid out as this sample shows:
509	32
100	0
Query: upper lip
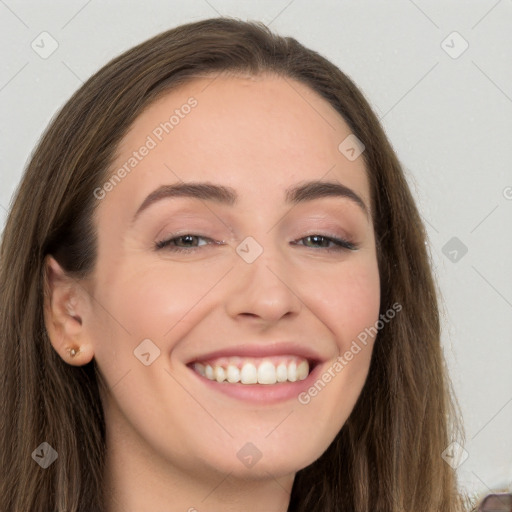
263	350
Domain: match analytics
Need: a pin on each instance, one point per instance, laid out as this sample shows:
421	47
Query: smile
254	370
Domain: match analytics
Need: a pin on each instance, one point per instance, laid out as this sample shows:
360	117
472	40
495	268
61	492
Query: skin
173	442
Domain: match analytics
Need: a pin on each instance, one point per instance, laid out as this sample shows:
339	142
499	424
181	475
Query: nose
264	291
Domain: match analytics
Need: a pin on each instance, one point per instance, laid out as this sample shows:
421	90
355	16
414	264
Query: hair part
386	457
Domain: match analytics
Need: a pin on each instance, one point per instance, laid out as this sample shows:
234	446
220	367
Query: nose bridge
263	280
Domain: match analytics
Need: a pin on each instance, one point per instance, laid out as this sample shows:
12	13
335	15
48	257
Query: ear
66	305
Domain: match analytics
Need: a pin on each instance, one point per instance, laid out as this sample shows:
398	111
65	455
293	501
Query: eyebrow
301	193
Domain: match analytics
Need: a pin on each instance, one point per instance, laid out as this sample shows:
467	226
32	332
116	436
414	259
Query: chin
266	460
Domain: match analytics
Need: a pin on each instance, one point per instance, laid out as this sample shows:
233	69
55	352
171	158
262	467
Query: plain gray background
447	110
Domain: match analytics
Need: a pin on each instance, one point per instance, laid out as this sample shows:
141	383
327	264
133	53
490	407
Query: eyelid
161	244
340	243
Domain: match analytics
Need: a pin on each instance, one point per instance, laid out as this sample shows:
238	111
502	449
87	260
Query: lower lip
263	394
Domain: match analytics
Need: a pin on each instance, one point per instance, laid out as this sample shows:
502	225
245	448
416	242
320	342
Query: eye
189	243
340	244
188	240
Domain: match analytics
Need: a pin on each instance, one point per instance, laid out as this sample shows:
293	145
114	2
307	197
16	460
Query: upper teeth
255	371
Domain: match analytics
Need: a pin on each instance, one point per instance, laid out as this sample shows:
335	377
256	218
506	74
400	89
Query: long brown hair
387	456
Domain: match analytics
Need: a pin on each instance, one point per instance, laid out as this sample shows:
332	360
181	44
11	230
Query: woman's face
252	278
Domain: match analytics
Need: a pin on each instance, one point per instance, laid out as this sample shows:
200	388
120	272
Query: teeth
281	373
302	370
220	374
292	372
233	374
199	368
249	374
208	372
267	372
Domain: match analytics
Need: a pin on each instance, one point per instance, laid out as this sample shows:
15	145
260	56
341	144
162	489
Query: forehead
258	135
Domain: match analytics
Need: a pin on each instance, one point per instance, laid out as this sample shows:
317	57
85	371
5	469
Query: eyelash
340	243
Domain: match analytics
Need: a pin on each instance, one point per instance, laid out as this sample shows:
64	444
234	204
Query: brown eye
324	241
181	243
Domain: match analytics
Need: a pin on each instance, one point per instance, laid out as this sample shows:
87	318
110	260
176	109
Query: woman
290	360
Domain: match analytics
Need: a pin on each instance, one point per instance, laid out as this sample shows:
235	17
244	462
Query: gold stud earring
73	352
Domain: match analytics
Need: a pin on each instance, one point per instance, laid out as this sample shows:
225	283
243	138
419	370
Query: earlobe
65	304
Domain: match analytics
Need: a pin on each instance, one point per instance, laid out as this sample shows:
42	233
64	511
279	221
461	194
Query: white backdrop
439	75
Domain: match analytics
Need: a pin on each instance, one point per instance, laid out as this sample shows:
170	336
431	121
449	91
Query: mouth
254	370
262	380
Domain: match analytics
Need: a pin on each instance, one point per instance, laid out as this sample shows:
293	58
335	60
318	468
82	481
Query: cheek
163	302
159	302
346	301
348	305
